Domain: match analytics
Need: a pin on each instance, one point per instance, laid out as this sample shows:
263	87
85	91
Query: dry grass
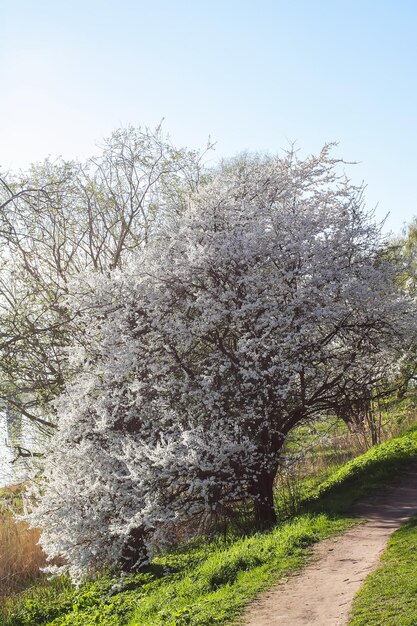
20	555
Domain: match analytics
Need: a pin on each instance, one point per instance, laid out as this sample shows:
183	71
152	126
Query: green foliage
106	600
388	597
11	499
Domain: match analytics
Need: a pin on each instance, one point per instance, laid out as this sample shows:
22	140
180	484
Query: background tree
63	218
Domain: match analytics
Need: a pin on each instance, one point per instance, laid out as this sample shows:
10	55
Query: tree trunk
265	515
372	426
134	552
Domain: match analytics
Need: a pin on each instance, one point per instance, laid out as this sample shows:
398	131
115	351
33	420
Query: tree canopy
262	301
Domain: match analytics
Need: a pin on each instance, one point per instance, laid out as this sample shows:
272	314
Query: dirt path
322	593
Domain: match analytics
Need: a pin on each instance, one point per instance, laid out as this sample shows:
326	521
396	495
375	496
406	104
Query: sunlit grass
388	596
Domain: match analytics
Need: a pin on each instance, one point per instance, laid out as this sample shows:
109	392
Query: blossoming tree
260	305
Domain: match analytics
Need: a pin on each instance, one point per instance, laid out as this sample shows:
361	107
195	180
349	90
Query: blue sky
252	75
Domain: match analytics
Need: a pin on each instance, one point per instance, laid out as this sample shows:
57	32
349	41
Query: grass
203	584
335	489
20	556
217	590
389	594
363	474
210	582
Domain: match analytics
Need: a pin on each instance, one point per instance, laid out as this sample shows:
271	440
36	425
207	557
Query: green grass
210	582
335	489
222	585
364	474
11	499
389	595
203	584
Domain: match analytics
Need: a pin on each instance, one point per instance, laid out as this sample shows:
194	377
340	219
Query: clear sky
253	75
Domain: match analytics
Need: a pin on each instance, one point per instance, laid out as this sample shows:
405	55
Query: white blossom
262	304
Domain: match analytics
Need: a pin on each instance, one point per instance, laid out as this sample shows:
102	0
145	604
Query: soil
322	593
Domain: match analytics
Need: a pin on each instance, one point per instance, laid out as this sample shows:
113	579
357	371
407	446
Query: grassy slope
389	595
204	584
